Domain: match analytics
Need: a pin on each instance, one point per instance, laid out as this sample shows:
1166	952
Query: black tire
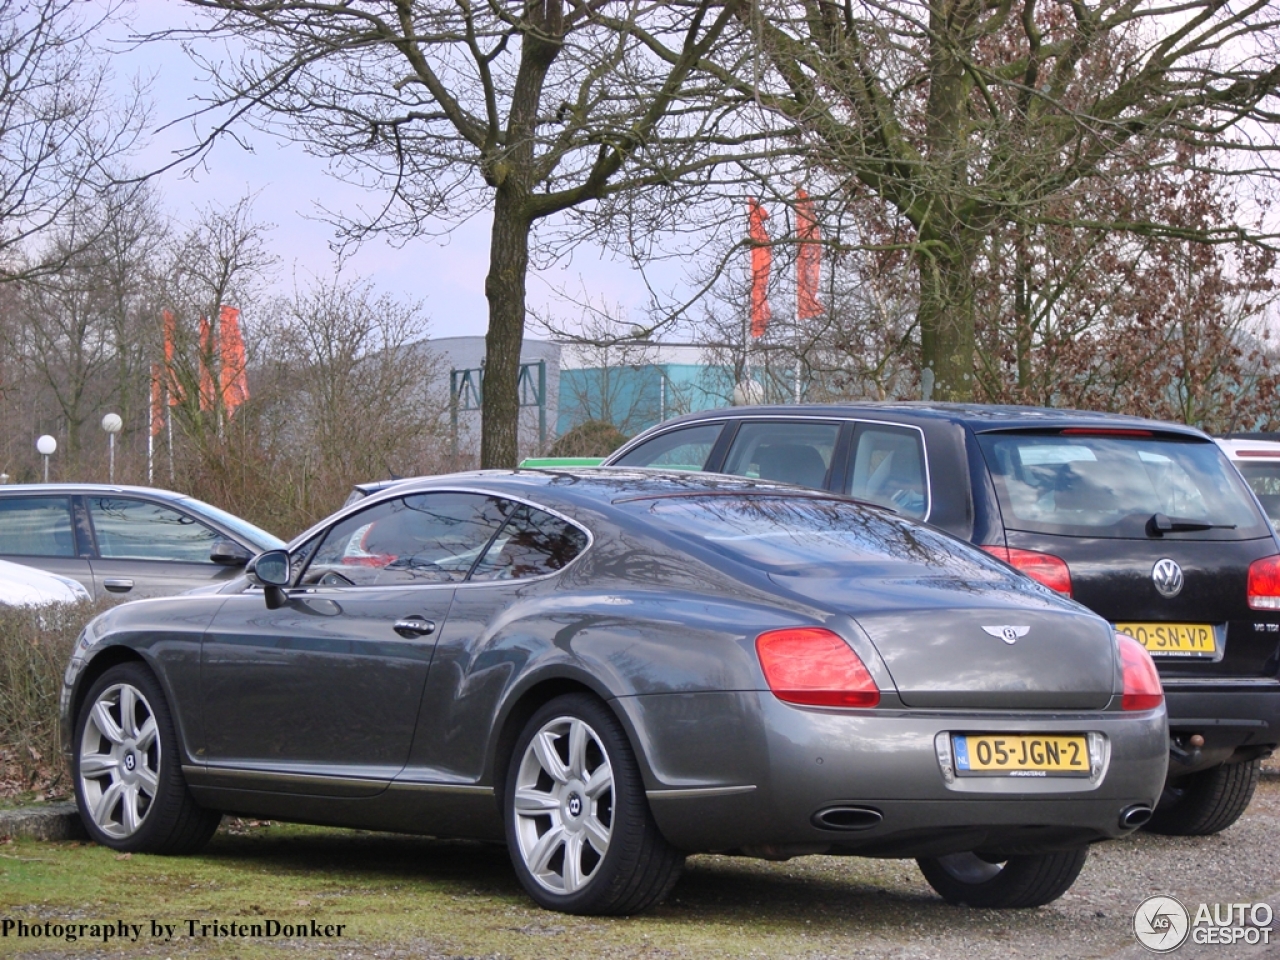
128	778
1207	802
967	879
579	829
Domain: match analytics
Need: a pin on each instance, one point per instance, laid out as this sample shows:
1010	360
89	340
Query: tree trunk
505	289
945	316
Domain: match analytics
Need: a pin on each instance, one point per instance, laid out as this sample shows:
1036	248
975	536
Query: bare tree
82	337
963	115
532	111
63	132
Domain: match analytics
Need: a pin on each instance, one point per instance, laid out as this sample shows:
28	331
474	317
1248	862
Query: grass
407	897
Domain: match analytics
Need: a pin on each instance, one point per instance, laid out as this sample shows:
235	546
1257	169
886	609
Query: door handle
411	627
118	584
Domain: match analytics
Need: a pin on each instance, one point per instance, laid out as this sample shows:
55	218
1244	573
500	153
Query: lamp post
45	447
112	424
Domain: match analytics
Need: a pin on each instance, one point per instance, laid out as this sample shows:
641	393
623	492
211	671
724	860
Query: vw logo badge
1167	576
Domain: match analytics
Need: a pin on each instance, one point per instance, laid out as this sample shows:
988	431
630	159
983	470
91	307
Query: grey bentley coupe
609	670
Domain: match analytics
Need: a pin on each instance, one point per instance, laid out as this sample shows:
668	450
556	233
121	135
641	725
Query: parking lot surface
276	891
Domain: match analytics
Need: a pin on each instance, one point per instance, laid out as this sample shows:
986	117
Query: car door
321	695
40	531
486	641
150	549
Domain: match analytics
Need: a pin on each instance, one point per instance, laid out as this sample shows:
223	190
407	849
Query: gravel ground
461	900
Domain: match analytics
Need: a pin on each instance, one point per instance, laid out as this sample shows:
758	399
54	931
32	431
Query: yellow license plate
1174	639
1017	755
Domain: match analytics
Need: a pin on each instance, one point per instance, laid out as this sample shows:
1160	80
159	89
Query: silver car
125	541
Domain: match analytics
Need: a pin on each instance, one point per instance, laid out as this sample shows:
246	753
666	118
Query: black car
1144	522
610	669
130	542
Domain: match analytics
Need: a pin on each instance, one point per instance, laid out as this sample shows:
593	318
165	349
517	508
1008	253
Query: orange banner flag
808	259
207	397
233	375
761	262
171	375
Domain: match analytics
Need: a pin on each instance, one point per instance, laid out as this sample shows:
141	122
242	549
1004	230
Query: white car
22	586
1259	463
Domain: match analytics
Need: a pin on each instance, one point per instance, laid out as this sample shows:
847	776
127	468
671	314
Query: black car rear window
1118	486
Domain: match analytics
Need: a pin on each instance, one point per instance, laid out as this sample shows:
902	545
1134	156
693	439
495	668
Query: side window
888	467
532	543
790	452
36	527
140	530
685	449
423	538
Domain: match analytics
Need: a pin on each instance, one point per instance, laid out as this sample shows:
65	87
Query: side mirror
229	553
271	571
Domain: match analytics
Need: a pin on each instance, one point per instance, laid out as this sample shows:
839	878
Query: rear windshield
1119	487
1264	477
813	536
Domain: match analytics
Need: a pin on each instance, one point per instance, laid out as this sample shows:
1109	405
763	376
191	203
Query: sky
446	275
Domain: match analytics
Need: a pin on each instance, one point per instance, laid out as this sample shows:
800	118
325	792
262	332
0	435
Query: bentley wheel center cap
130	761
575	805
1167	576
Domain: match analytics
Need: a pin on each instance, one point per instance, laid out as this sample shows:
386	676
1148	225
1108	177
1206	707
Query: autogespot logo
1161	924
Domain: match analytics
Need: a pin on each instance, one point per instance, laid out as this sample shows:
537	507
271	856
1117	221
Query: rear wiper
1159	525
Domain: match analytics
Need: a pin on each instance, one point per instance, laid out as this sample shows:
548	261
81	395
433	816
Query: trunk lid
998	644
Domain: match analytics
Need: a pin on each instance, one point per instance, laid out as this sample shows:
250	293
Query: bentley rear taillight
1142	689
815	667
1043	567
1264	584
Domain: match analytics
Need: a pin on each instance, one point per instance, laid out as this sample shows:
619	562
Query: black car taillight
815	667
1264	584
1044	567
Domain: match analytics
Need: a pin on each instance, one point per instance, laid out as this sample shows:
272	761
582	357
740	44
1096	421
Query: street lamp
112	424
45	447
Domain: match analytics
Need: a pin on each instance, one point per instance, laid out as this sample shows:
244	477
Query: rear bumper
1233	717
773	769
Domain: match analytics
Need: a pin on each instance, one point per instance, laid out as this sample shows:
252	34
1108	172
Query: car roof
592	485
1238	449
980	417
91	488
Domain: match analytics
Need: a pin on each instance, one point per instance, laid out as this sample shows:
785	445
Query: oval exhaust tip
1135	816
847	818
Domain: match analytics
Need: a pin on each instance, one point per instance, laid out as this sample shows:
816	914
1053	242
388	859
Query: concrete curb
45	821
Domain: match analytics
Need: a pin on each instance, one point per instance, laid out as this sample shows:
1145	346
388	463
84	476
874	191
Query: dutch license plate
1018	755
1174	639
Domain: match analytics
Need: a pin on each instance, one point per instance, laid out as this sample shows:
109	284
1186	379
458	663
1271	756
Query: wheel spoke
128	709
545	849
535	802
148	781
106	724
601	782
96	764
129	818
147	734
579	738
108	800
544	745
597	834
573	876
